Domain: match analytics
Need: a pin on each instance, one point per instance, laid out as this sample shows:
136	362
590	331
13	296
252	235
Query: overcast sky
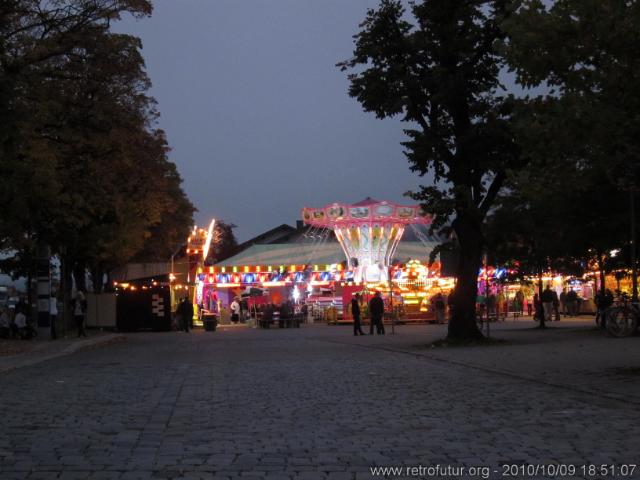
258	115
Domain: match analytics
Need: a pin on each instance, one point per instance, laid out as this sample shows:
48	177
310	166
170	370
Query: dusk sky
258	115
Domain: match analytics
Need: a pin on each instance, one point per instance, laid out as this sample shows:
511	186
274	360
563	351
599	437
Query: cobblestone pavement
311	403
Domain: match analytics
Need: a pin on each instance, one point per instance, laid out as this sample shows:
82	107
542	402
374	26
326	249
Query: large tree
587	54
85	164
436	67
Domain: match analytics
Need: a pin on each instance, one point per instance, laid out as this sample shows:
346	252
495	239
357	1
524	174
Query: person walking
355	311
79	308
185	313
376	311
53	314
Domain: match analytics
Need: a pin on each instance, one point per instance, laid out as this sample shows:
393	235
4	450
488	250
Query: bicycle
623	318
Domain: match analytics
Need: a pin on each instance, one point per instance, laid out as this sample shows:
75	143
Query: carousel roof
310	254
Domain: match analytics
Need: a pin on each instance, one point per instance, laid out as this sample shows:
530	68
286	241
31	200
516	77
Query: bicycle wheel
621	322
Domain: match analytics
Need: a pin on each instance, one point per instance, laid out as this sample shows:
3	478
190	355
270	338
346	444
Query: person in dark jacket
355	311
572	302
185	313
376	311
547	303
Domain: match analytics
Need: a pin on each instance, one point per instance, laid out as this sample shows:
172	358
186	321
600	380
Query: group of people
16	322
376	312
551	305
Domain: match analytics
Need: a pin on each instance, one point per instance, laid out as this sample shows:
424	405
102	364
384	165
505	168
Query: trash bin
210	323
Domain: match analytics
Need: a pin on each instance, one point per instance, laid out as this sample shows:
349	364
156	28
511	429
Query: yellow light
246	269
223	269
235	269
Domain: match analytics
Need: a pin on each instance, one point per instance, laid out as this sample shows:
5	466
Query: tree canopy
85	168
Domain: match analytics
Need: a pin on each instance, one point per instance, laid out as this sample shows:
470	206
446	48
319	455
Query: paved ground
317	403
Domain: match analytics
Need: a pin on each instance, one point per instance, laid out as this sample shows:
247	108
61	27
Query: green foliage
84	168
588	53
580	139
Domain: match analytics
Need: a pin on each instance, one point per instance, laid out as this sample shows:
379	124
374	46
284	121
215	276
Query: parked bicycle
623	317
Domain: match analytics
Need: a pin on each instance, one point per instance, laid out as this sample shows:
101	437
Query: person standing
20	322
79	307
520	302
235	310
53	314
185	313
355	311
547	303
563	301
439	307
572	302
376	311
5	324
556	306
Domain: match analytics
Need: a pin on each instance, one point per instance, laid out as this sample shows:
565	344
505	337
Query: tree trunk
540	307
462	325
65	276
600	315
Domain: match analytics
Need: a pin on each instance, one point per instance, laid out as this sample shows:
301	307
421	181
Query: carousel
368	232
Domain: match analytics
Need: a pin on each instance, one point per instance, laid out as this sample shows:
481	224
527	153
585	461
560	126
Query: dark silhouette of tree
588	54
224	243
439	74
